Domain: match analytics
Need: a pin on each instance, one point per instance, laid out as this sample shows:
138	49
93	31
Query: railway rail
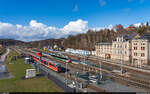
74	79
128	80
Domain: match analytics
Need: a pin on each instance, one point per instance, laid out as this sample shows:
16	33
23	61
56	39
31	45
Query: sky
30	20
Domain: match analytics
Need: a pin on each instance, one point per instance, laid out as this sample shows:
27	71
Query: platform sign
30	73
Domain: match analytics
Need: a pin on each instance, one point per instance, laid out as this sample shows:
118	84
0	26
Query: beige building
132	48
104	50
141	49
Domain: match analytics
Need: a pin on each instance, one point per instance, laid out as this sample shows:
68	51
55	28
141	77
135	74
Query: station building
131	48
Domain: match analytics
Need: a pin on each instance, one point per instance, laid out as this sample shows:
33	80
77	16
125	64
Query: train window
51	64
59	65
45	62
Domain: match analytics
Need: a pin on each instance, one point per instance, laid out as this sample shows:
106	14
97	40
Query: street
3	73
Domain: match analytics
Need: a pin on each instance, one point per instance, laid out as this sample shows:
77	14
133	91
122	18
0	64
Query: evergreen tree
147	24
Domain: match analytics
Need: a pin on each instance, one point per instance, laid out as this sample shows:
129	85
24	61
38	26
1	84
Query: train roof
57	54
57	63
51	61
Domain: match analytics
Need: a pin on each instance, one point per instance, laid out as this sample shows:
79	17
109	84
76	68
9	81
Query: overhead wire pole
66	73
122	55
100	70
84	63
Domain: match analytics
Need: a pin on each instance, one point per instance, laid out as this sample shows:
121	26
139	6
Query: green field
16	84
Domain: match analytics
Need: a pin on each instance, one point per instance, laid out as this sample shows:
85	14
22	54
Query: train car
46	62
55	56
60	57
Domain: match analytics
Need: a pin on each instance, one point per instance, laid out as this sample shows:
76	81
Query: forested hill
9	42
87	41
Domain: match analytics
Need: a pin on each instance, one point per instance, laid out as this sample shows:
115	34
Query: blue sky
60	12
66	16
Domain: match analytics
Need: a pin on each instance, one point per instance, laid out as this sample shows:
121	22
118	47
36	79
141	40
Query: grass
16	84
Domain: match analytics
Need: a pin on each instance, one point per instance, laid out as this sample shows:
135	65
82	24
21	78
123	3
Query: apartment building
132	48
104	50
141	49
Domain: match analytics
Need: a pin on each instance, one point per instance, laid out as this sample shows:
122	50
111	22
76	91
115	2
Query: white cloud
75	8
102	3
38	31
130	0
110	27
137	24
79	26
127	9
140	1
98	28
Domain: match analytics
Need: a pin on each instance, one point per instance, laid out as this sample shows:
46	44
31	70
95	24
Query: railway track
117	77
72	78
129	80
107	63
89	86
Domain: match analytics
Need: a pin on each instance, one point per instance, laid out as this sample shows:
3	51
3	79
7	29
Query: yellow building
132	48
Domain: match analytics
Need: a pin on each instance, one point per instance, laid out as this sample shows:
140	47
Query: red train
46	62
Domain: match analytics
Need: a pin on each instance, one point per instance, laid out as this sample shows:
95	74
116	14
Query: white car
92	77
93	80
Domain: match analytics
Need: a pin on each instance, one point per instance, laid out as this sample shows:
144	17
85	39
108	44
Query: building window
142	48
115	45
135	54
142	54
142	43
125	52
135	48
135	43
120	46
125	46
120	52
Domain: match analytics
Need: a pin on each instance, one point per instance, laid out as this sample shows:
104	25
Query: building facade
132	48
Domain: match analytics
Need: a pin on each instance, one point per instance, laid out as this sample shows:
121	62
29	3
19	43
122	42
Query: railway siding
128	80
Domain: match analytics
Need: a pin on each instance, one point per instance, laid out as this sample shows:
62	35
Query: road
2	59
3	73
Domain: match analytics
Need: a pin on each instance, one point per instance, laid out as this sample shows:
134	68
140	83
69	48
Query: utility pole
66	74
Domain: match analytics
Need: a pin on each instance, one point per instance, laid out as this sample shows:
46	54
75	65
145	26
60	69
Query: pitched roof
104	43
127	36
145	36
